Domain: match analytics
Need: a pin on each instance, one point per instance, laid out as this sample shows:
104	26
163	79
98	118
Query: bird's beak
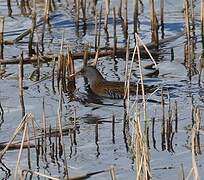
78	73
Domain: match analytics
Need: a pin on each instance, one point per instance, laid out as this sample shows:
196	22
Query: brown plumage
111	89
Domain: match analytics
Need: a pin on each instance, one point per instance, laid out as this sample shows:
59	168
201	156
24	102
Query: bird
109	89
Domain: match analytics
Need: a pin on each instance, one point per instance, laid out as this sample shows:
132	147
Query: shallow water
86	155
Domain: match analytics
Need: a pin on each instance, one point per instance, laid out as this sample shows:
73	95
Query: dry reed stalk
192	6
1	37
120	8
85	58
46	11
83	7
162	17
25	119
9	7
70	71
22	7
21	92
202	21
27	6
59	117
154	24
96	31
77	10
107	10
197	127
125	19
135	16
112	173
146	49
99	29
32	29
141	152
20	151
187	19
115	35
141	77
194	164
94	7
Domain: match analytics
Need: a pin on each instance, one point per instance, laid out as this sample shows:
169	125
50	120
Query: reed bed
47	142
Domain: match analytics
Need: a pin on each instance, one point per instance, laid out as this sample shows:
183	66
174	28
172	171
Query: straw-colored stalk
187	20
194	164
112	172
20	151
21	92
46	11
141	152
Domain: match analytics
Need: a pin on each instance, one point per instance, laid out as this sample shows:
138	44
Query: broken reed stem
20	151
1	37
21	92
115	35
9	7
154	25
59	117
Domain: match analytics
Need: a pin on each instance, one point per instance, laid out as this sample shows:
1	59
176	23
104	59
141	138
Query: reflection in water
5	170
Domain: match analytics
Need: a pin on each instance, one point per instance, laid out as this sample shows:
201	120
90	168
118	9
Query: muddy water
86	155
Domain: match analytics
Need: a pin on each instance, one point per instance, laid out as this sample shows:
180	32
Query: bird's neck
96	78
